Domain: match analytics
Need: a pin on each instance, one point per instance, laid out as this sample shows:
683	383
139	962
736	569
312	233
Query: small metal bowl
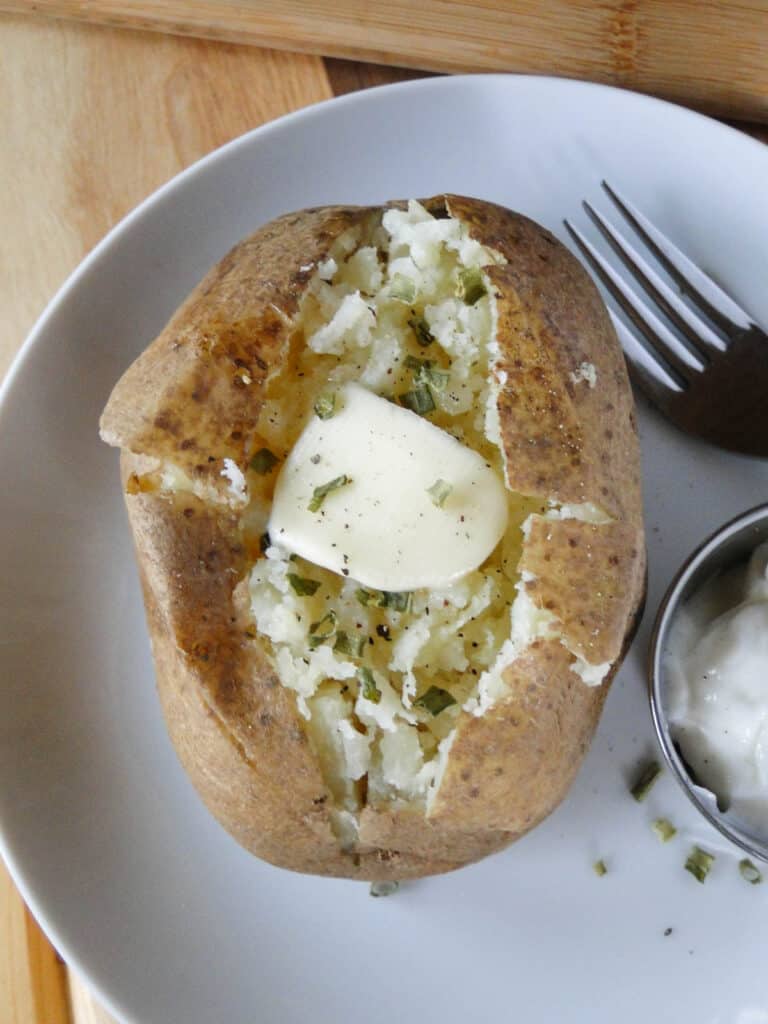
727	547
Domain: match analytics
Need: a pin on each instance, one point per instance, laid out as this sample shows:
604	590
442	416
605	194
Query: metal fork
710	376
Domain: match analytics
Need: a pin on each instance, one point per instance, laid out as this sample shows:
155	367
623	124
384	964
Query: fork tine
696	330
677	360
650	374
698	285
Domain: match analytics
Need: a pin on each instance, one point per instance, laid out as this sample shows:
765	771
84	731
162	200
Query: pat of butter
383	528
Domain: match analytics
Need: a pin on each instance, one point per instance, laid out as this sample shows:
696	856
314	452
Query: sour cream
717	670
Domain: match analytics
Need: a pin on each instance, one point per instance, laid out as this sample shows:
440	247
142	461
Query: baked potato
353	692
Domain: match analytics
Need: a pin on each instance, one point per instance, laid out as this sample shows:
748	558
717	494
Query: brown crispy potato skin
236	729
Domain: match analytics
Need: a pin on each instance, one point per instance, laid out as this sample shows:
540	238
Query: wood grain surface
136	109
706	53
95	119
33	979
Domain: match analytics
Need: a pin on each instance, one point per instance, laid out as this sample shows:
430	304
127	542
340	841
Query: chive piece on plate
384	888
645	781
664	829
263	462
303	586
599	868
749	872
321	493
699	863
434	700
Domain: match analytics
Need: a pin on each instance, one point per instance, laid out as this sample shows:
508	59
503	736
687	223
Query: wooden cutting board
93	121
709	54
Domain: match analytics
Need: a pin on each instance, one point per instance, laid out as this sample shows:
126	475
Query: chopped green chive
412	363
749	872
325	406
263	462
419	400
321	493
646	781
370	690
470	286
345	644
384	888
699	863
420	328
439	491
599	868
434	700
322	630
402	288
425	373
302	586
437	379
399	601
664	829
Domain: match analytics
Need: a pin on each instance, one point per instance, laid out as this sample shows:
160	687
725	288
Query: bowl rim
664	617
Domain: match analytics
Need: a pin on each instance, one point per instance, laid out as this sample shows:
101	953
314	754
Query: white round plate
167	918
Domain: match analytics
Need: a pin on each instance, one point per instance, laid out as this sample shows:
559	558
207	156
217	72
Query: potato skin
237	731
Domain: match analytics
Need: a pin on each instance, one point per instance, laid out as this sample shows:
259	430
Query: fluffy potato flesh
381	680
